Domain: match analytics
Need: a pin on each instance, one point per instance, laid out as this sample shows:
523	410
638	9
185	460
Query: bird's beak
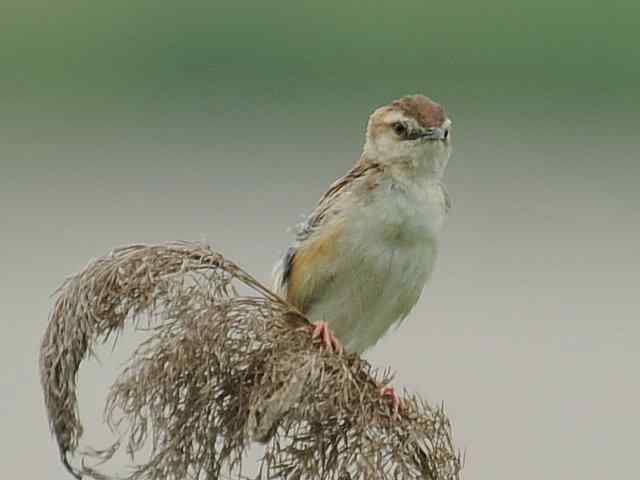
434	134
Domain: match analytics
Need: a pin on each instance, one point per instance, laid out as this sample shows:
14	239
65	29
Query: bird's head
413	129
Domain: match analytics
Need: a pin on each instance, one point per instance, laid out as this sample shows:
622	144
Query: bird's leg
321	330
396	403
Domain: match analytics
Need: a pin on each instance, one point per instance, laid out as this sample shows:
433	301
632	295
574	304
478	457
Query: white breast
385	258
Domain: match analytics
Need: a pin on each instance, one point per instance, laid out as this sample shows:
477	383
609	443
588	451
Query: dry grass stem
229	362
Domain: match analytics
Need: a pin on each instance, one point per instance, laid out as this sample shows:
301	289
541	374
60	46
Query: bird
361	259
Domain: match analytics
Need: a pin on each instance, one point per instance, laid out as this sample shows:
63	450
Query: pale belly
384	261
373	292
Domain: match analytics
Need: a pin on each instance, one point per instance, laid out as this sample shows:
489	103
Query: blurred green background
80	56
126	122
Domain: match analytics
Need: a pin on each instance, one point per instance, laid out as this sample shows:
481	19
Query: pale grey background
146	124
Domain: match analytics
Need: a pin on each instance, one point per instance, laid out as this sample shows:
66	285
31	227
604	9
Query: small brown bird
363	256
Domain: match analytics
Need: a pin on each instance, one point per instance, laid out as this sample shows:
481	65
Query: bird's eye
399	128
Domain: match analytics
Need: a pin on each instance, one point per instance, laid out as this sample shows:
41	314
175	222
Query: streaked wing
305	269
330	202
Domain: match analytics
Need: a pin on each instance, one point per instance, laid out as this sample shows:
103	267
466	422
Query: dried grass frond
229	362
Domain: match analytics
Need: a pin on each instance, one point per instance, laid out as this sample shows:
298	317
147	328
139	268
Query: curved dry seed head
220	370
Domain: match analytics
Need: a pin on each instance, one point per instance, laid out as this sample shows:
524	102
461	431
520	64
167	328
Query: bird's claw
396	402
321	330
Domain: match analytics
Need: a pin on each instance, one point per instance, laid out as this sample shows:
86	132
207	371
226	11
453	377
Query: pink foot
329	339
396	402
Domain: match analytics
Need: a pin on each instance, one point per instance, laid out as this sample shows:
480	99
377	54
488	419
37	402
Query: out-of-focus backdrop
148	121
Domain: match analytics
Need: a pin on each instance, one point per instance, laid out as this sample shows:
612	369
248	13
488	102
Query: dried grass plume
229	362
